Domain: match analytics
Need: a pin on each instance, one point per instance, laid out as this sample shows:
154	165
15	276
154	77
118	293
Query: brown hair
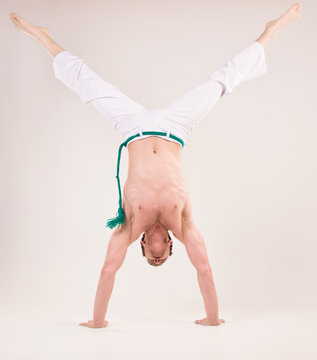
143	251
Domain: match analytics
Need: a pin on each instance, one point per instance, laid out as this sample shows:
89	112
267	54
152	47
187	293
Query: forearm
208	291
104	290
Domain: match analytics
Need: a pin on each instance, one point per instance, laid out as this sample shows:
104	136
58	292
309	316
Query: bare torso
155	189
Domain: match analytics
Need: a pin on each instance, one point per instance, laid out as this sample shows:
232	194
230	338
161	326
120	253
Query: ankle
41	36
272	28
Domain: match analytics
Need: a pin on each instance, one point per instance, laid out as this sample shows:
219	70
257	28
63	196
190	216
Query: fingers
201	322
92	325
83	324
205	321
89	323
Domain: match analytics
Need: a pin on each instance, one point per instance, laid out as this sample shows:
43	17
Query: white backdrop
250	166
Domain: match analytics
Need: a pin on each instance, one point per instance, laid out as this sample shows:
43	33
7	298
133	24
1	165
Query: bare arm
196	250
116	252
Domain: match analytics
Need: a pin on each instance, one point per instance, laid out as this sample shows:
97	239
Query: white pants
181	116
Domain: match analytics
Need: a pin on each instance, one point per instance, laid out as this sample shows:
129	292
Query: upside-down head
156	245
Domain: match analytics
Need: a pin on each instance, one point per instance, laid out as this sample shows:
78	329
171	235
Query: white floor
253	334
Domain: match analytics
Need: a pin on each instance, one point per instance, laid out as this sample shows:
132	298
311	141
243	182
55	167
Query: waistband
125	143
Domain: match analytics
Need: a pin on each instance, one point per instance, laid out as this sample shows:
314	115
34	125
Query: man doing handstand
155	197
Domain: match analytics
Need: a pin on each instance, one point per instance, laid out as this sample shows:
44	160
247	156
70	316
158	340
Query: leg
186	112
72	71
249	63
40	34
75	74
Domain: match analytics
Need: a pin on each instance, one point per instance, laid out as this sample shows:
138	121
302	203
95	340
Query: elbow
202	265
107	272
204	270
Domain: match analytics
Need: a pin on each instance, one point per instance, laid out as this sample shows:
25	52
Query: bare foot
207	322
291	15
26	27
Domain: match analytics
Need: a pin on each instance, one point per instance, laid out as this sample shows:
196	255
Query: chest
145	205
147	215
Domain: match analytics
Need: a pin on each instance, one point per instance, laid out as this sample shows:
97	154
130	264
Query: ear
142	239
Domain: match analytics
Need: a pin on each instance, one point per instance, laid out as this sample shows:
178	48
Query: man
155	197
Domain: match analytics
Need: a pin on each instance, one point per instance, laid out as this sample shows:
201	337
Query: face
157	245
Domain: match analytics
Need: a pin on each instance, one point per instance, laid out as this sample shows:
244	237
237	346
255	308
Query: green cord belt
119	219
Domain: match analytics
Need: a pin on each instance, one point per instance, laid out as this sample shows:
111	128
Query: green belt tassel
120	216
118	220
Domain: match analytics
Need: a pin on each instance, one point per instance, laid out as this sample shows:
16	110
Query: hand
205	321
91	324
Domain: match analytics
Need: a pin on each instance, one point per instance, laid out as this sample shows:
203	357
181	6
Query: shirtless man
155	197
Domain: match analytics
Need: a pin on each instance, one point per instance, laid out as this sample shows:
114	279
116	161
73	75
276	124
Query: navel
155	148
